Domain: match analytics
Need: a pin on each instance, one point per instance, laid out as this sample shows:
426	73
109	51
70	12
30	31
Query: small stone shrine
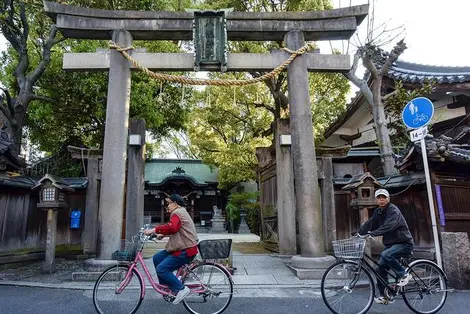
217	221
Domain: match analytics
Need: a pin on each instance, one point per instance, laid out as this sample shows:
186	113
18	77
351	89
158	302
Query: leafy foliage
223	125
250	203
226	126
73	108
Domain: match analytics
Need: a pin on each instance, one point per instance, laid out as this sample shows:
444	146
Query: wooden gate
456	205
268	200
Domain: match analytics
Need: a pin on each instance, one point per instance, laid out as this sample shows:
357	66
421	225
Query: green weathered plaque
210	39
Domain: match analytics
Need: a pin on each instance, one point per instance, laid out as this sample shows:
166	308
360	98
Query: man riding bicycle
180	249
387	221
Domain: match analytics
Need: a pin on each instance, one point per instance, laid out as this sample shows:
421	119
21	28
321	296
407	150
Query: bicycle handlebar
362	236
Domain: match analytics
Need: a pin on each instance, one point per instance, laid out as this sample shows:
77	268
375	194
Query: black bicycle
348	287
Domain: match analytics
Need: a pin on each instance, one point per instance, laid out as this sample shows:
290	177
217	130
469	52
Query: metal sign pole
431	203
416	115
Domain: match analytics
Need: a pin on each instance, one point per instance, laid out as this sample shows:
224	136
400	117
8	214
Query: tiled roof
441	149
390	182
159	170
419	73
29	182
17	182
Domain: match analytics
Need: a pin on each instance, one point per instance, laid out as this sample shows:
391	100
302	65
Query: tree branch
267	107
24	22
370	66
5	111
46	56
220	133
45	98
357	57
211	150
399	48
395	92
9	102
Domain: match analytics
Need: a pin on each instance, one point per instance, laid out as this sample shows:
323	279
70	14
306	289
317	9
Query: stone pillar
49	262
328	202
285	192
135	180
115	146
90	228
312	243
456	258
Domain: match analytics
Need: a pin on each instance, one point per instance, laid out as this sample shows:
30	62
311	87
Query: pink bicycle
121	288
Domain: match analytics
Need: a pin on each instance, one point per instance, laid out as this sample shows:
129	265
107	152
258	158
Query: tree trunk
20	104
381	130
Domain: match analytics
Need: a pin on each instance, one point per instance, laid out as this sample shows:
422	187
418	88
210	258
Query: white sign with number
418	134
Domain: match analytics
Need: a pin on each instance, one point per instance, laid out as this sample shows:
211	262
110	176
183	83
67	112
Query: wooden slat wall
23	226
456	204
268	200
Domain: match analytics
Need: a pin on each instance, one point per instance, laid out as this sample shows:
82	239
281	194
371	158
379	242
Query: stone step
304	273
85	276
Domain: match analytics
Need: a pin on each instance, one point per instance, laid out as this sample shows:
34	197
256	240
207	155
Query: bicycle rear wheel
346	287
211	289
426	291
117	292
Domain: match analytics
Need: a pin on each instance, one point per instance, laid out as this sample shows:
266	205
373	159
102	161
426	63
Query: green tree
227	129
31	37
71	106
226	125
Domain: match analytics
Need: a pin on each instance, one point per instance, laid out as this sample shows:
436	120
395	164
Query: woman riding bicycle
180	249
387	221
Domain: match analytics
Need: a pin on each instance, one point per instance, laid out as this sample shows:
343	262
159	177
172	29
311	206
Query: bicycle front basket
127	252
349	248
215	249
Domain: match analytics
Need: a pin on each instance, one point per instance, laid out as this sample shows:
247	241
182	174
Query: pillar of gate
285	189
312	260
115	149
135	178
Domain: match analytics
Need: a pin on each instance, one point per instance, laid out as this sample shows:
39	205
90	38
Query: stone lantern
362	189
52	197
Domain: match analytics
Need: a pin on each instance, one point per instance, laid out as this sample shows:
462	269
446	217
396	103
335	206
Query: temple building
190	178
447	146
451	99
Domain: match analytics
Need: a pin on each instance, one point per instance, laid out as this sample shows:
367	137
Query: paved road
51	301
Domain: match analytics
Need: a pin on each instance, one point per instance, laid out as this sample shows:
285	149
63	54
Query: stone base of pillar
93	264
310	267
218	226
456	258
92	269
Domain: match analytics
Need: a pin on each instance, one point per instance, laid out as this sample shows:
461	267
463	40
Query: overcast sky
436	30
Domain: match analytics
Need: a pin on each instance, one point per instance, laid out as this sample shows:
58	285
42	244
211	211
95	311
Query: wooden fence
23	226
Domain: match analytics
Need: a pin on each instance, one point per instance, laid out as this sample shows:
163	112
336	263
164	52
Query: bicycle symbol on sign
420	117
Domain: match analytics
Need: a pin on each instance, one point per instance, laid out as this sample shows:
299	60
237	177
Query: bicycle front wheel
211	289
118	290
347	287
426	292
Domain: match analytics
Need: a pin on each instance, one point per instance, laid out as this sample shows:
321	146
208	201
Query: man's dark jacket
389	223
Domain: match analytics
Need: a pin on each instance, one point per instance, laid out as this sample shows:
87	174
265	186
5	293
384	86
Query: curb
90	286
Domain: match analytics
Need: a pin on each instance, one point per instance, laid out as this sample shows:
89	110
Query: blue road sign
417	113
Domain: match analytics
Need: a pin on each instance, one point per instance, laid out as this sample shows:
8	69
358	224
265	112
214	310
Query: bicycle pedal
168	298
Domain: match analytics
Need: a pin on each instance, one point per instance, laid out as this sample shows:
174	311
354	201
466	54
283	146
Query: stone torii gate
294	28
